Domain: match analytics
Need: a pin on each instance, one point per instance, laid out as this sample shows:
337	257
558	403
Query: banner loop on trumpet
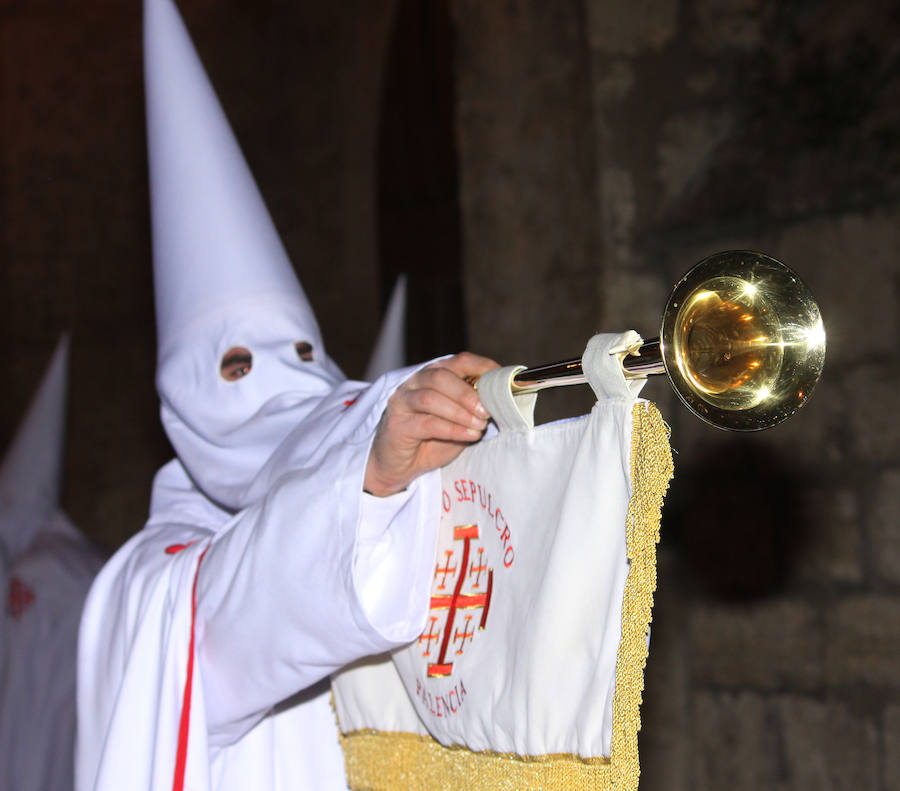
510	412
602	365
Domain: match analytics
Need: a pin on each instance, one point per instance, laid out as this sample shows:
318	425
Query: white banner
537	633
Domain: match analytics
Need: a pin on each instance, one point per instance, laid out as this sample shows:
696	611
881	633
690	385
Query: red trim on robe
185	723
174	549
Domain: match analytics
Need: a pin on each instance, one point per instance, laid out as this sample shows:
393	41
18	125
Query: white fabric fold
510	412
602	366
390	534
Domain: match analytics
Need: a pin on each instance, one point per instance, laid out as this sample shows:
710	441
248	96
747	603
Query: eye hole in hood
236	363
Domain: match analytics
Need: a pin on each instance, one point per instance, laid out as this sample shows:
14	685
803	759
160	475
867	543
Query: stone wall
720	124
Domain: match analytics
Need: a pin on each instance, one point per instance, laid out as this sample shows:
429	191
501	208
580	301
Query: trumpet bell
742	341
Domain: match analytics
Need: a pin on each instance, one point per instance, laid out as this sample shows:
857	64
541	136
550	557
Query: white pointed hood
31	473
389	352
222	279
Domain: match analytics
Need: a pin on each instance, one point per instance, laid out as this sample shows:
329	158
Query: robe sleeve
387	592
315	574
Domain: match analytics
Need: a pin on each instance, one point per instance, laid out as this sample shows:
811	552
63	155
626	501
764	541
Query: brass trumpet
741	341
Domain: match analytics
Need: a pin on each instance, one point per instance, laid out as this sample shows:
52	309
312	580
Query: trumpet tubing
741	341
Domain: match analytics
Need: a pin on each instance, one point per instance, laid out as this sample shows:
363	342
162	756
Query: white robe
207	640
43	590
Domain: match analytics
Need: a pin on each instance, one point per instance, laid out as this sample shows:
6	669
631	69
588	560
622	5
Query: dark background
541	171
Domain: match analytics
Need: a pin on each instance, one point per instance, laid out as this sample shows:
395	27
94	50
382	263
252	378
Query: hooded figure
207	640
46	567
389	352
222	280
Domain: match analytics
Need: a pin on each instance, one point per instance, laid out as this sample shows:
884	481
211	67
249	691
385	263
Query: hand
428	421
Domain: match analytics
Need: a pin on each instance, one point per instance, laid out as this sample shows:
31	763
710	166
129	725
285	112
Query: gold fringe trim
380	761
651	471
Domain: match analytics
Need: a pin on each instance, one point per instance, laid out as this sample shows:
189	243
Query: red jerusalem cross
445	570
477	570
459	601
429	636
463	635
